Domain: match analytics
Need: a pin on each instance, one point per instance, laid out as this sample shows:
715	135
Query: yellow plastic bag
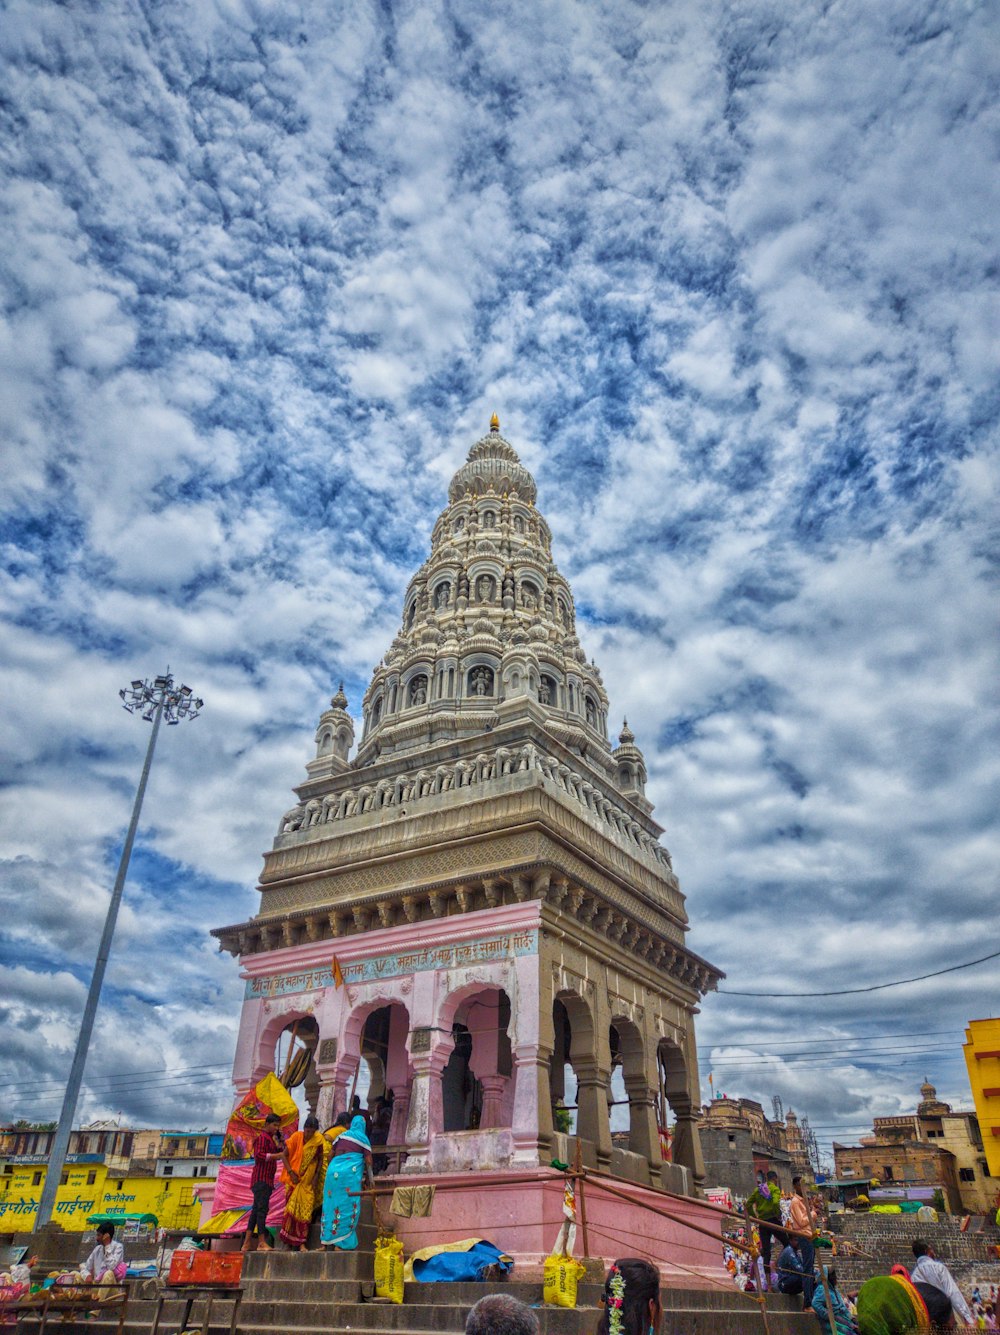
389	1269
562	1274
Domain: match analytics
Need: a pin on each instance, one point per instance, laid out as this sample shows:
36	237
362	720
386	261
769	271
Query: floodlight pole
152	699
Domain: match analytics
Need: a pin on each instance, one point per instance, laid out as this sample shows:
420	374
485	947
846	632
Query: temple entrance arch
477	1091
578	1048
635	1093
287	1046
676	1099
376	1064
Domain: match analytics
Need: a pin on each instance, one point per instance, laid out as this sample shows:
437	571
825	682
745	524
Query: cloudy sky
727	270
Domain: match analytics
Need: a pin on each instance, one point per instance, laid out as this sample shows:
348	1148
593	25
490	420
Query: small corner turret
334	739
631	767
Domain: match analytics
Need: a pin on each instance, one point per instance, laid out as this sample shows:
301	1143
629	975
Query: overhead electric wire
129	1075
873	987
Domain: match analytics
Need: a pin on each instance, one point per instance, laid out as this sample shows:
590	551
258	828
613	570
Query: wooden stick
354	1090
291	1050
579	1175
829	1300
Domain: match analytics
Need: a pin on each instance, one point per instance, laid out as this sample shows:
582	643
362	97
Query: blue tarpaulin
467	1265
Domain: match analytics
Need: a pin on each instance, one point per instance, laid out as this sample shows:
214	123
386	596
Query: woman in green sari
890	1305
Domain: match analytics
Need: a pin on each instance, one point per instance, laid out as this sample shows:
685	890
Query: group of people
793	1225
323	1170
986	1309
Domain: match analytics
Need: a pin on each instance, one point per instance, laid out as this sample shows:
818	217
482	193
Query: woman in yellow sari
305	1179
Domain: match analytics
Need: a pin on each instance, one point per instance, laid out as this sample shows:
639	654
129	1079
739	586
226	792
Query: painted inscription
508	945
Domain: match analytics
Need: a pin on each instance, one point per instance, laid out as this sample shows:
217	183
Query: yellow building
982	1057
89	1188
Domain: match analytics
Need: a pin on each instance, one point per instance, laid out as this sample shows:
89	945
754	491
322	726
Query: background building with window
109	1170
932	1147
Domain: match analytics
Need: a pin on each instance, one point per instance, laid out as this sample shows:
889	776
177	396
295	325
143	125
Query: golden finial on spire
494	423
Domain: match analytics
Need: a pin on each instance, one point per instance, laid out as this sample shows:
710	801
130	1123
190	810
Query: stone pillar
494	1087
326	1098
343	1081
592	1120
400	1114
531	1122
425	1118
690	1109
643	1134
687	1146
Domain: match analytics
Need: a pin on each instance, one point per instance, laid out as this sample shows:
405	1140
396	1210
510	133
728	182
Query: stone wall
885	1240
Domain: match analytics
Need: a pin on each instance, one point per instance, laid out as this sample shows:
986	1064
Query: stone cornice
543	878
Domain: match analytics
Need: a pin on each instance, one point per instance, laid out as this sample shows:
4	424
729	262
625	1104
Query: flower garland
616	1303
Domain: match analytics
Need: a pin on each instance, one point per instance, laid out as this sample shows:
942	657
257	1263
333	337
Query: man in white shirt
106	1263
929	1273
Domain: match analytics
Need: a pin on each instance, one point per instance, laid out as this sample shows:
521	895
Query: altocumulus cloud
727	270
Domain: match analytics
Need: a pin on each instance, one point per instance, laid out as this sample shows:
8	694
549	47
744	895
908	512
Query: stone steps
316	1293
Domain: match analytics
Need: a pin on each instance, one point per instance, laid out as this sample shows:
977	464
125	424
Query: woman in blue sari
342	1187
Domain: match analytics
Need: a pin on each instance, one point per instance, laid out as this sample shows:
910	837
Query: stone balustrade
404	790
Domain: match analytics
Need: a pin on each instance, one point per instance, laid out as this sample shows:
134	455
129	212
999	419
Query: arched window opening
418	689
563	1077
461	1092
293	1061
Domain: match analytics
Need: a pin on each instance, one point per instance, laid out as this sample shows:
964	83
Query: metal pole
57	1155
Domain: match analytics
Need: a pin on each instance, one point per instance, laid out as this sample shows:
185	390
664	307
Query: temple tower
486	879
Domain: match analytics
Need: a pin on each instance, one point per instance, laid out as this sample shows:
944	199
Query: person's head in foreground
631	1299
921	1248
499	1314
105	1233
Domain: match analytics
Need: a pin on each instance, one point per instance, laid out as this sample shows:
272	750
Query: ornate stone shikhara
486	853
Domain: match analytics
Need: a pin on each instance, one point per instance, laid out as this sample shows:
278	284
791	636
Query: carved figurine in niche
459	524
518	524
418	691
482	681
591	712
489	519
529	597
442	596
564	613
411	614
485	588
545	691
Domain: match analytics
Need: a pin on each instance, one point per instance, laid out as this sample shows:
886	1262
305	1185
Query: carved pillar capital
493	891
411	908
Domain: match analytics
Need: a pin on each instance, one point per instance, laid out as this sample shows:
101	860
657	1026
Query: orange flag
338	973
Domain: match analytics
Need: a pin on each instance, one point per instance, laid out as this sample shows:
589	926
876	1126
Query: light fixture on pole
153	701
